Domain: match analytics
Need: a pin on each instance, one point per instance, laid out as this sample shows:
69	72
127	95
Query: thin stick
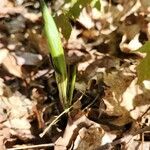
56	119
32	146
53	122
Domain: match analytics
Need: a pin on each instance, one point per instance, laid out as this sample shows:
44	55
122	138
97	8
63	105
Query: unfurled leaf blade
57	53
71	82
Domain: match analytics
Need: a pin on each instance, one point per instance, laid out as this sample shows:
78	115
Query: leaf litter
110	110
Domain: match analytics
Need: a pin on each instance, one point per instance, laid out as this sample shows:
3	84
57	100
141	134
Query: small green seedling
64	83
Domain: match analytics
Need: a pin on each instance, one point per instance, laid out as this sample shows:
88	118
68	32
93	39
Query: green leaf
143	69
74	11
96	4
145	48
57	53
71	81
76	6
63	23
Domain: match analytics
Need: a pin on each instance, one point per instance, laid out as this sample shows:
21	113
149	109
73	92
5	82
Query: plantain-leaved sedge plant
58	58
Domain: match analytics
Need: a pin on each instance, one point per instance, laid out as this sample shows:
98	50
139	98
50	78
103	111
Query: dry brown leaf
145	5
16	25
72	129
26	58
10	63
135	143
85	19
11	10
14	112
118	83
108	137
129	94
41	47
3	54
91	139
134	44
32	16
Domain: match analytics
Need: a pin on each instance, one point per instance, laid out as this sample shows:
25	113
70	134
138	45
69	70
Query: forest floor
111	110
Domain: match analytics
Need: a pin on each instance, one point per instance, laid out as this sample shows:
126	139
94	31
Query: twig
54	121
32	146
144	113
91	102
59	116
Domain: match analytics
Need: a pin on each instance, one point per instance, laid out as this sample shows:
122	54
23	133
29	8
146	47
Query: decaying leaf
90	138
26	58
3	54
10	63
85	19
93	132
13	62
14	112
